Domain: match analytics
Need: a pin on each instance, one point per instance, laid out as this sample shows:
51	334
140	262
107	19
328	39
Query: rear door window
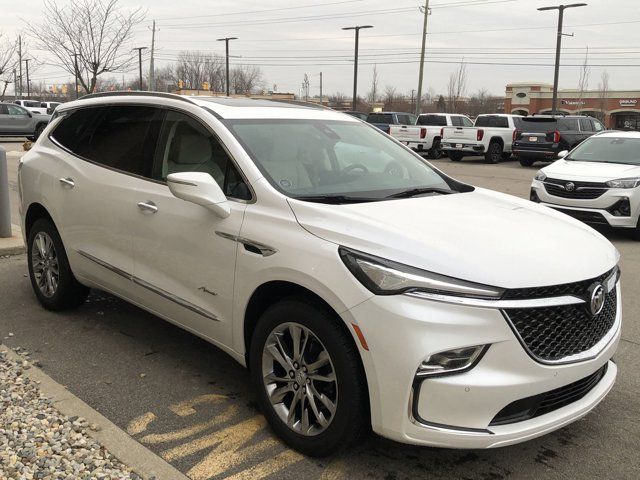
486	121
466	122
568	124
122	137
456	121
586	125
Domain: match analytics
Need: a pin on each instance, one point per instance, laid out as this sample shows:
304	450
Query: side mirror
201	189
30	114
563	153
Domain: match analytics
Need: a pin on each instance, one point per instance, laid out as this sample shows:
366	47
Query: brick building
617	109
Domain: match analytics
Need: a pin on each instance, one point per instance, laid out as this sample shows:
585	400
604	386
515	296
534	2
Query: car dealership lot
191	404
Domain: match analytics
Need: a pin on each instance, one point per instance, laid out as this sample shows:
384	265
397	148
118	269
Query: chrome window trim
157	290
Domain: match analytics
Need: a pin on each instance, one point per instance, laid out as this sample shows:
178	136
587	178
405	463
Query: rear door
537	133
108	159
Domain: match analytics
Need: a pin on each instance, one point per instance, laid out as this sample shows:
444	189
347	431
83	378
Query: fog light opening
534	196
448	362
622	208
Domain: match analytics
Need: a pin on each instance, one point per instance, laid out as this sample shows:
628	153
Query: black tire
69	293
456	156
435	152
636	232
38	131
526	161
494	153
506	156
351	418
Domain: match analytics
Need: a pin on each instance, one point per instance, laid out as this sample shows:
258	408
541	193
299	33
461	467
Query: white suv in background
598	182
359	284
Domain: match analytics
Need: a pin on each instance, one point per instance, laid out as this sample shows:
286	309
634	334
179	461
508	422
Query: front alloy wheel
299	379
308	376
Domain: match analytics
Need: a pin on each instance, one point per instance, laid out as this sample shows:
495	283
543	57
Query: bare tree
603	95
245	79
7	63
583	80
457	87
96	32
372	96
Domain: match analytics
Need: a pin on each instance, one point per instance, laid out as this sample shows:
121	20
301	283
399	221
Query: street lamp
355	63
140	65
561	9
226	42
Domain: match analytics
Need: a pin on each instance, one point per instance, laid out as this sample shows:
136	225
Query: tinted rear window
492	121
538	125
380	118
432	120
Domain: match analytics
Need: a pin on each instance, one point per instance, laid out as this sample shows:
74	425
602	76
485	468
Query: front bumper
594	212
456	411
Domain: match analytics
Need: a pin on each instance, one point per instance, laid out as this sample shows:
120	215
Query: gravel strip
38	442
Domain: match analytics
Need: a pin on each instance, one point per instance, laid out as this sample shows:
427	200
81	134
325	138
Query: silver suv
17	121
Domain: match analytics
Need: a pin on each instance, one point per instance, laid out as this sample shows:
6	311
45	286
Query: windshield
608	150
320	158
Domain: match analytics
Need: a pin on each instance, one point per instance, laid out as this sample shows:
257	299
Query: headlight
624	183
540	176
384	277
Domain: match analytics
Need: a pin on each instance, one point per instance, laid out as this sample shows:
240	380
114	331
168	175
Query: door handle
68	182
148	207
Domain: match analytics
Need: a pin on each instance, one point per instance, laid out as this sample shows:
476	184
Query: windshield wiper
414	192
336	199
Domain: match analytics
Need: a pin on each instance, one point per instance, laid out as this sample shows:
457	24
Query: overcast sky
291	38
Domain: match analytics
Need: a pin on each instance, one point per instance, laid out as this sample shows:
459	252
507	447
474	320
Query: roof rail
136	94
551	113
301	103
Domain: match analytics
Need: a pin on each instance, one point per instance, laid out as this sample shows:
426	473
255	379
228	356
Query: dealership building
621	108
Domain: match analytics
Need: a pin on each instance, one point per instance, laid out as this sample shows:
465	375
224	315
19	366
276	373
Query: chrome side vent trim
250	245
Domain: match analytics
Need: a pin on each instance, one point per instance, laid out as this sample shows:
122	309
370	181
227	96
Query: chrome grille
580	191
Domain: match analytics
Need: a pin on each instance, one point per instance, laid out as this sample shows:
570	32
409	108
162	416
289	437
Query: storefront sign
573	102
629	102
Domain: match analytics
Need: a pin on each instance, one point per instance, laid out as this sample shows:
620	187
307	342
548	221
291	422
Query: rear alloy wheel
308	376
39	129
494	153
51	278
455	156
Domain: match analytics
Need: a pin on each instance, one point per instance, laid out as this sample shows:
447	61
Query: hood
590	171
481	236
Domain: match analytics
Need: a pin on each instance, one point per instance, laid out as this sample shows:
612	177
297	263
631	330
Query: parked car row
34	106
17	121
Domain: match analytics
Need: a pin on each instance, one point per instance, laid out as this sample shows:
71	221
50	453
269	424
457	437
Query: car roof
221	107
390	113
618	134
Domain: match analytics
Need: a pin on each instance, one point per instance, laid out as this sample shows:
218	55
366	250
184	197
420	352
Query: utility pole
355	63
561	9
226	45
15	84
152	73
20	61
139	49
320	88
426	12
26	62
77	73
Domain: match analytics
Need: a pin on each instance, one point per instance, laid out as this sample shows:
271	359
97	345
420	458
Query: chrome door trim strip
175	299
106	265
265	250
499	304
151	287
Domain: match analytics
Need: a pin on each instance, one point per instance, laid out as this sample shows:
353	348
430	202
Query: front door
19	119
184	257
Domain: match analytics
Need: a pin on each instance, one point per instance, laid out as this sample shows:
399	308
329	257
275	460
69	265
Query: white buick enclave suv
359	284
598	182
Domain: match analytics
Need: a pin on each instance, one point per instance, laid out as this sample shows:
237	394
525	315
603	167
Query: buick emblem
570	187
597	297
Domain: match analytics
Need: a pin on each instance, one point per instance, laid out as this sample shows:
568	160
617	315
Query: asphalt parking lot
190	403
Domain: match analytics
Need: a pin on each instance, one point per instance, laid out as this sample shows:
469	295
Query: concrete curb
13	245
140	459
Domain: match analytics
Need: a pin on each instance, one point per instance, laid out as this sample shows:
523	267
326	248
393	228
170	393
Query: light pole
355	62
226	45
140	65
422	52
561	9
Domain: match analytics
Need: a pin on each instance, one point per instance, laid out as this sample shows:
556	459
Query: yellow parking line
225	416
184	409
268	467
140	424
230	438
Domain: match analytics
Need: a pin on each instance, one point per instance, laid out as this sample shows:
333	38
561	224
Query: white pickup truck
491	136
425	136
33	106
